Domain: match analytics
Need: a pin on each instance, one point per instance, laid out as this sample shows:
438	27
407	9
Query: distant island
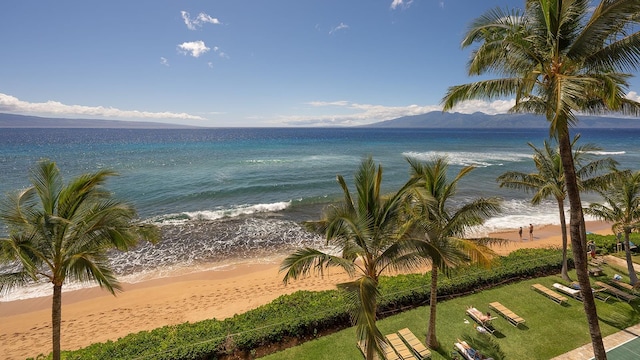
24	121
431	120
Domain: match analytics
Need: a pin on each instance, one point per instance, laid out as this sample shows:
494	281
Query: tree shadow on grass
486	345
482	342
623	318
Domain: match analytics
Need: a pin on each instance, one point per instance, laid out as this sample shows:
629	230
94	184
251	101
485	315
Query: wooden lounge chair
511	317
625	286
389	353
597	293
574	293
399	346
549	293
619	294
418	347
482	319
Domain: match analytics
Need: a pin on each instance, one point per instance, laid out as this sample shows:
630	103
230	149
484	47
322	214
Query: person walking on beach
520	233
530	232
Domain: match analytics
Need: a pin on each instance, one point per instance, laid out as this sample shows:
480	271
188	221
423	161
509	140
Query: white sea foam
197	246
465	158
517	213
184	217
604	153
267	161
221	244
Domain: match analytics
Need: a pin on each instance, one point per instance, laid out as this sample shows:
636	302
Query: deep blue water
172	171
220	190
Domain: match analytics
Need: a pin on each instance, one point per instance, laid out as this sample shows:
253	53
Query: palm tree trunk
578	244
563	227
432	340
633	278
56	319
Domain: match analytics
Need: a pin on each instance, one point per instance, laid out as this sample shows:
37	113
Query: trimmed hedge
304	314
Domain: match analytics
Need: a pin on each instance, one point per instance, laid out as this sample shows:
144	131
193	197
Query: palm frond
11	280
47	182
362	294
307	260
520	181
87	267
479	251
488	89
472	214
20	248
608	26
403	255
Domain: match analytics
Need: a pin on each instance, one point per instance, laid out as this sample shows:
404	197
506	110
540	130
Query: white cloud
329	103
221	54
632	95
202	18
164	61
342	26
400	3
193	48
346	113
490	108
357	114
12	104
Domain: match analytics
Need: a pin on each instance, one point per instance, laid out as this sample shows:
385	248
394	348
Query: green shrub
607	243
304	314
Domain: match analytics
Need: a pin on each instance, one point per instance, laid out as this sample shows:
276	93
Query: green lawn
550	329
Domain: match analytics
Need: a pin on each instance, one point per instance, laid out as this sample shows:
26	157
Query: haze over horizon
239	63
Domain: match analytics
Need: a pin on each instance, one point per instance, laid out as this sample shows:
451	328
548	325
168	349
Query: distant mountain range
438	119
433	120
23	121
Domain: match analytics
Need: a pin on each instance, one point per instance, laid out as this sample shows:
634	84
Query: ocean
238	195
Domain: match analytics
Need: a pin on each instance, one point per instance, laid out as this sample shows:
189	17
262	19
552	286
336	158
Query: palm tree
368	233
622	209
558	58
442	227
58	232
549	182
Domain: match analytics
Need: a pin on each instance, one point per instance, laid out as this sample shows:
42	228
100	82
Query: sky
238	63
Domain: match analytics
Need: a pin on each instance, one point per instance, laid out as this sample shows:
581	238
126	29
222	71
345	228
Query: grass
550	329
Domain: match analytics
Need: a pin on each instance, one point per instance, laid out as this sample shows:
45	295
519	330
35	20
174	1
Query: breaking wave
465	158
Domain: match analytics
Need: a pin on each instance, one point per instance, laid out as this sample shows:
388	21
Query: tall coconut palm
622	208
60	231
368	232
443	226
558	58
548	181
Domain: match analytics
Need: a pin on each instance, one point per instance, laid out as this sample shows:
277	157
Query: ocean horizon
238	195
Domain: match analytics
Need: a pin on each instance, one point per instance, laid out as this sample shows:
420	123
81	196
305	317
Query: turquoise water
224	195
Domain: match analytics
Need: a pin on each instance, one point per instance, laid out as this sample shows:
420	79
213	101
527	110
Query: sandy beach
94	315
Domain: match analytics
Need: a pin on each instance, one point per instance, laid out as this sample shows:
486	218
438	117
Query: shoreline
94	315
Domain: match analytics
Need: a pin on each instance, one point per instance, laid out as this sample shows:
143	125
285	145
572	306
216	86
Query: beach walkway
620	263
612	341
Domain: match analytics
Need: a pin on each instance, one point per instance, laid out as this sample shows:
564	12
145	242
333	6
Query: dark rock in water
201	242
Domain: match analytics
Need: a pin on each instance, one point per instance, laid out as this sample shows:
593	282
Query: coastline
93	315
